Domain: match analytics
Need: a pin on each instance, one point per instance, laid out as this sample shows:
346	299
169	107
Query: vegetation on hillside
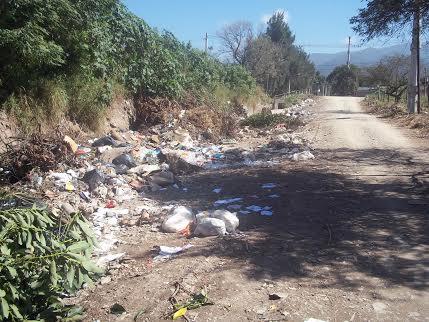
61	57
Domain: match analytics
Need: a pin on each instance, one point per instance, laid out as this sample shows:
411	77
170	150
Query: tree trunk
412	85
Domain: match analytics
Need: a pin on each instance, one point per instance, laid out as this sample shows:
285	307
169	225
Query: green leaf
78	247
16	312
53	272
85	228
91	267
2	293
36	284
4	250
70	275
4	307
12	271
14	291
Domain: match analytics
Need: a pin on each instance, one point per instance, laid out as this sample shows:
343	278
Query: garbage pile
297	110
110	179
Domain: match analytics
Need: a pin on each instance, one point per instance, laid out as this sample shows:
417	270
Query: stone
155	139
162	179
67	208
379	307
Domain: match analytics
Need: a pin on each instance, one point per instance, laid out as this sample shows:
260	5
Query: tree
265	61
391	73
389	17
344	80
234	39
278	30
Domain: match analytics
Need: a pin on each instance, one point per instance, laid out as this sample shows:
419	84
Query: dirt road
348	240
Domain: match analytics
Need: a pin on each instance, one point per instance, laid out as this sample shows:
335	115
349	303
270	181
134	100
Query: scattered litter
180	218
254	208
227	201
314	320
166	252
234	207
125	159
244	212
276	296
230	219
418	202
107	140
302	156
69	186
85	196
161	179
268	186
71	143
210	227
93	178
103	260
99	179
179	313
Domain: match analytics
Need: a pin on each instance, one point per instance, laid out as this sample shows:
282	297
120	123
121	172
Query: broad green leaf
12	271
29	240
91	267
4	307
2	293
53	272
5	250
13	290
16	312
85	228
78	247
70	275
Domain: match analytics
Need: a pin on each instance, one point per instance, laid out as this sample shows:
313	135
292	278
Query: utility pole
413	76
206	43
348	53
418	60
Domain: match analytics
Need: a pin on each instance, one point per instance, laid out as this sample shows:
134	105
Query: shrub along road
348	240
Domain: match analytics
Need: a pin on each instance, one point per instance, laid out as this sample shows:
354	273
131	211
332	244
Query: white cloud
267	16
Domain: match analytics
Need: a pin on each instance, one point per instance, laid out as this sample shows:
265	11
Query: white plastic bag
178	220
210	227
229	218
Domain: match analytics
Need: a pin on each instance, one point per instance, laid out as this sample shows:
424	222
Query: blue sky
320	26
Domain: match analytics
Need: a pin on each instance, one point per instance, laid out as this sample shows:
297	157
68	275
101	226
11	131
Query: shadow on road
328	229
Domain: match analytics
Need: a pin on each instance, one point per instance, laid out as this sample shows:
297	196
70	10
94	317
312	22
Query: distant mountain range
325	63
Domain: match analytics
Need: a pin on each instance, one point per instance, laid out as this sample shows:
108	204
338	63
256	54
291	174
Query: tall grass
83	100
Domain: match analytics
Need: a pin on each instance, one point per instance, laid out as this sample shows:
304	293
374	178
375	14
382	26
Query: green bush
84	47
41	259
